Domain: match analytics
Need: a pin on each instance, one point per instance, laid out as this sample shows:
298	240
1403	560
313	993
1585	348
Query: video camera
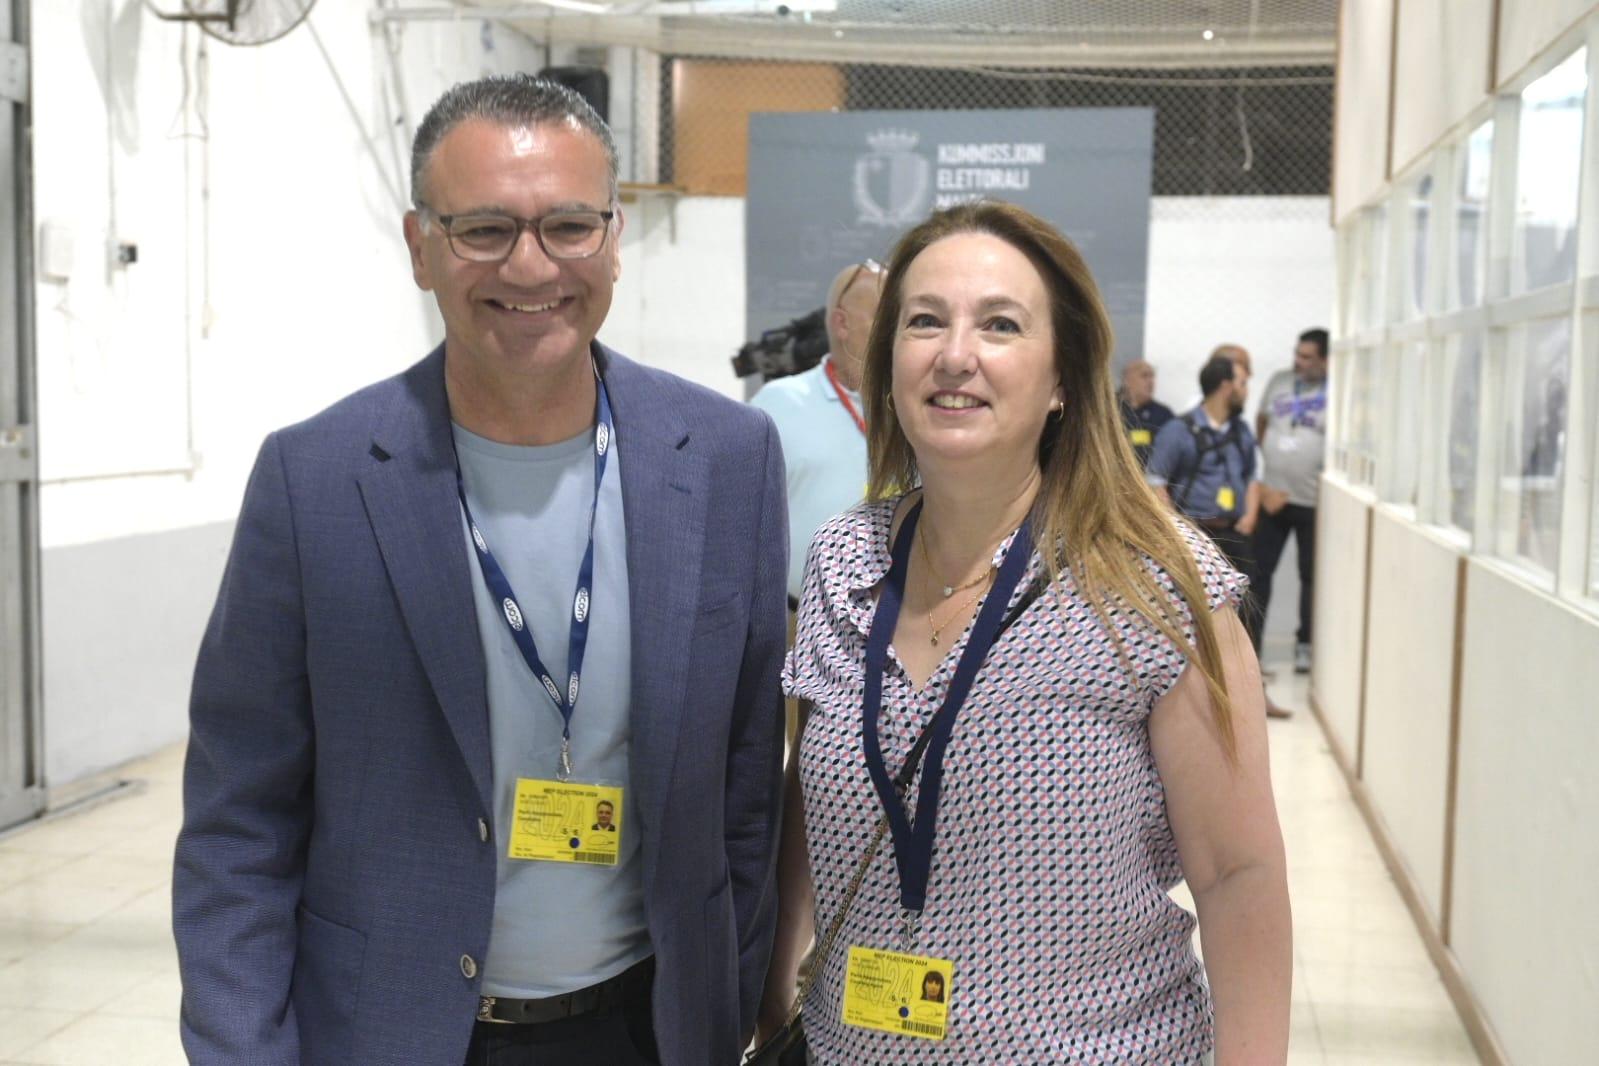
790	349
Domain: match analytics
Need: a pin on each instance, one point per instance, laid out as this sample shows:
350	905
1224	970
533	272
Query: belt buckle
485	1010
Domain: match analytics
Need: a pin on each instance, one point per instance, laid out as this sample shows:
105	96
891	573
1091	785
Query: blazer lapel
410	496
664	496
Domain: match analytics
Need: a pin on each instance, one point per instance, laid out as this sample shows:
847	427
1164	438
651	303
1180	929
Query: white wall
1360	158
1521	931
1341	519
1409	678
1527	27
1251	270
1526	849
680	303
1434	96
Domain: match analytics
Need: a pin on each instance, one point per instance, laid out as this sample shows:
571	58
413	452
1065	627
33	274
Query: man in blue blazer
526	587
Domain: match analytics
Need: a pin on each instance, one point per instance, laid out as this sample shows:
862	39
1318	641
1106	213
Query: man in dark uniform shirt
1142	414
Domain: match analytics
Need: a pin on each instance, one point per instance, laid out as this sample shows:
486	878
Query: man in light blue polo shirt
818	417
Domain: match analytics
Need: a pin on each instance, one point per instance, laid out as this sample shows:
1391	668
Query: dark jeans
1271	536
1240	551
620	1036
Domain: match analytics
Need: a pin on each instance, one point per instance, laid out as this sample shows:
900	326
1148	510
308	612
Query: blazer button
483	830
468	967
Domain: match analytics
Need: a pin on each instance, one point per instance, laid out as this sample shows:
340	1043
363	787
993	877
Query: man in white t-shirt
1292	430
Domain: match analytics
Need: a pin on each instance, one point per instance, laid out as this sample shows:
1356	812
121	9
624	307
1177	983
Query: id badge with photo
566	821
897	993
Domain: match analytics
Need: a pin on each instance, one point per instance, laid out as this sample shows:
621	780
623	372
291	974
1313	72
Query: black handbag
787	1047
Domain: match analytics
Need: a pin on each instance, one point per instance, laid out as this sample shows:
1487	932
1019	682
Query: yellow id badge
1141	437
897	993
566	821
1226	498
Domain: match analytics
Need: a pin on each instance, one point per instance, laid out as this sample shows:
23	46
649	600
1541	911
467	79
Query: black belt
1216	523
625	987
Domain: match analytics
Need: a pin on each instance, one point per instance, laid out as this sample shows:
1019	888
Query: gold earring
1058	410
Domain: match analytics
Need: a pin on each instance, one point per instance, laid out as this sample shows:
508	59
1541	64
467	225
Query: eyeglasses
870	266
489	238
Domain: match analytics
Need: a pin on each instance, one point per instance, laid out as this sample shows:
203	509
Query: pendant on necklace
935	640
949	591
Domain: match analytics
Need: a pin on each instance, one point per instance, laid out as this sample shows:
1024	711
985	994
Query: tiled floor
88	976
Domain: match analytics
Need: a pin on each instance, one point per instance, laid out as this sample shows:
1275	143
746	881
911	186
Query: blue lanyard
510	607
913	846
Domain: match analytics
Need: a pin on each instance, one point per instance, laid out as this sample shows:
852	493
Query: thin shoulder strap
1202	445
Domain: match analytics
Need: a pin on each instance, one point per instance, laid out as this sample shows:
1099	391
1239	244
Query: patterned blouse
1053	855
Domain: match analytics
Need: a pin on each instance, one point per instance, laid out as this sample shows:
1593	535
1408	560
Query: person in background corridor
1292	429
1142	414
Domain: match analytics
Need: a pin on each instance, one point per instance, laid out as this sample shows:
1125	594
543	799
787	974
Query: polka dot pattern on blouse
1054	855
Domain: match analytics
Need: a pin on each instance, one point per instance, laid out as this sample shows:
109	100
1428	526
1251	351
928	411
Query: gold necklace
938	627
947	588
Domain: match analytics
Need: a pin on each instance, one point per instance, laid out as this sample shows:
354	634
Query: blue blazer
333	892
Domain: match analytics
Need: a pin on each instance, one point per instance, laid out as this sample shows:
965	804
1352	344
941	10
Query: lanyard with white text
1304	406
913	845
516	618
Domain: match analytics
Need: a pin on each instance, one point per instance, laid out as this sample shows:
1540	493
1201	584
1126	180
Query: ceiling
1010	33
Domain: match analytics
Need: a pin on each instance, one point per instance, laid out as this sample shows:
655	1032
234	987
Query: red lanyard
843	397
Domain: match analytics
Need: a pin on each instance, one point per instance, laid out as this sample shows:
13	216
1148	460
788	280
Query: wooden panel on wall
1523	922
1409	672
1360	139
1528	27
1440	72
1341	519
711	105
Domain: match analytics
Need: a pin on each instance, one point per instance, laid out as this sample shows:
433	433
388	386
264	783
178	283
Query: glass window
1351	238
1420	223
1590	332
1374	268
1406	378
1472	165
1593	549
1533	420
1368	268
1361	418
1549	157
1464	363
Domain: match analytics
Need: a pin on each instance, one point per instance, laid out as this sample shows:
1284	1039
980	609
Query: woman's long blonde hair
1093	506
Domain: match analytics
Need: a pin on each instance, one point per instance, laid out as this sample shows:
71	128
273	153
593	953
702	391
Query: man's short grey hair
506	100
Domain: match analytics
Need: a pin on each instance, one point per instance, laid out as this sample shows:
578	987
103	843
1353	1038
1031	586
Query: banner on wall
827	189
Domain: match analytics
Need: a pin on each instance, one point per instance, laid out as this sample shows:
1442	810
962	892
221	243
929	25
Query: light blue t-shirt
824	452
557	927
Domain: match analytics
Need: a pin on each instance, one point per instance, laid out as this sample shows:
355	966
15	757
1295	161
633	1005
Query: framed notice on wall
829	189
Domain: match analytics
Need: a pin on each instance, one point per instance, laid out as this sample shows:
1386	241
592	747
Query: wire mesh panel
1017	33
1242	89
1218	132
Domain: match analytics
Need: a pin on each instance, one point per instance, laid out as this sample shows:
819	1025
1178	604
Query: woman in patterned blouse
1111	743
